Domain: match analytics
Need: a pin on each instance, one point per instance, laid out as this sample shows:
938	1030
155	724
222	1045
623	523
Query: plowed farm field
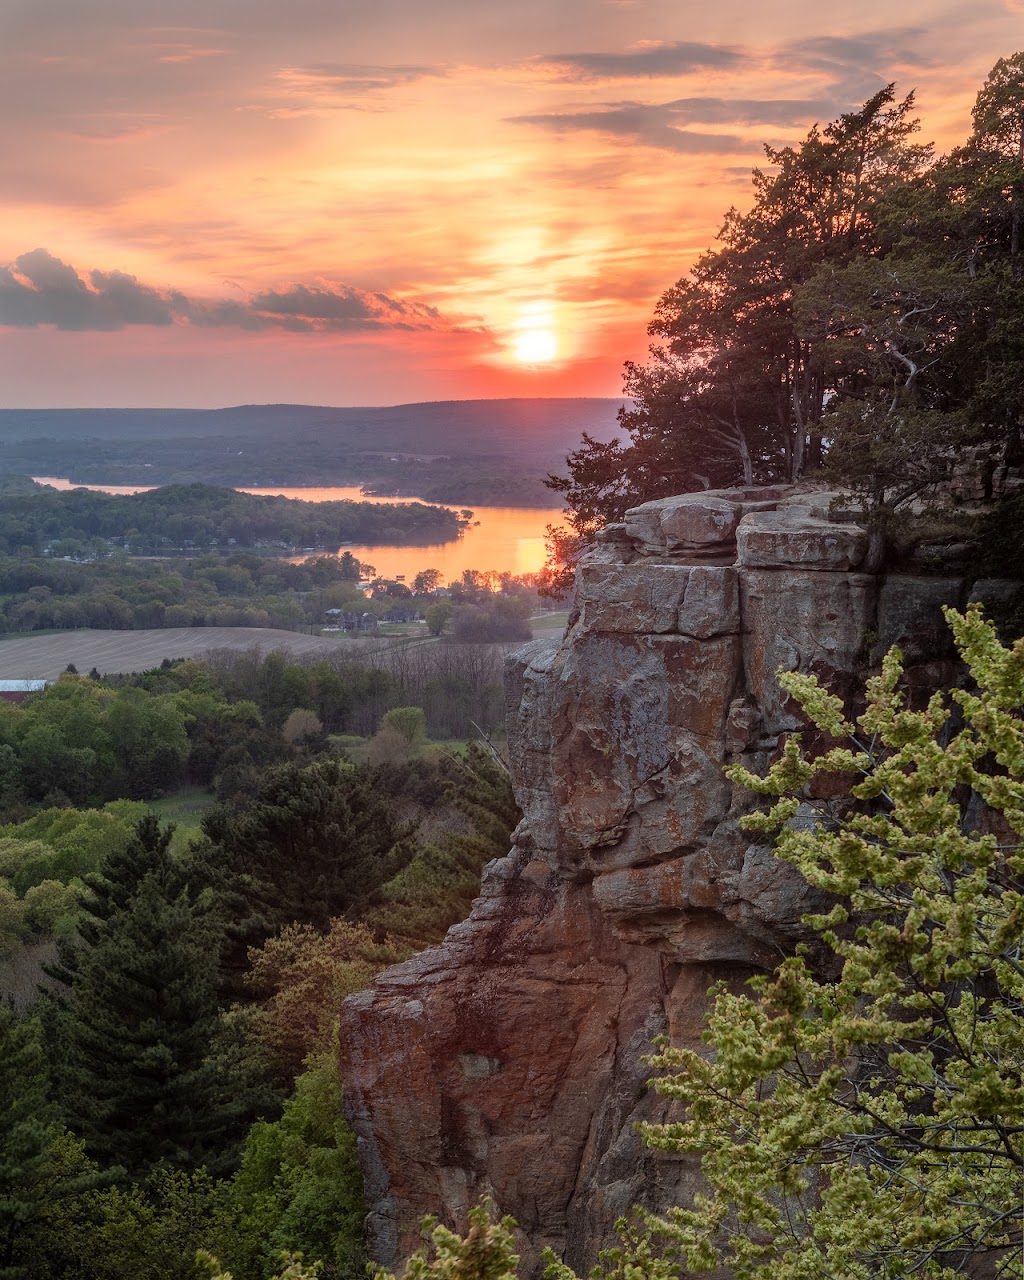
44	657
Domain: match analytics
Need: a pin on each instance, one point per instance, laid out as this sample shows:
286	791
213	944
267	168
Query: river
502	539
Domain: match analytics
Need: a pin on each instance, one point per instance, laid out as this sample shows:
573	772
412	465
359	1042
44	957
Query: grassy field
547	622
358	749
44	657
403	629
185	809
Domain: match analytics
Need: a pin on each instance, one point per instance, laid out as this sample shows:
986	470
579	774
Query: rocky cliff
508	1060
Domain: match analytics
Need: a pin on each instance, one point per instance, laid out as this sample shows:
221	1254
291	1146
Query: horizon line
295	404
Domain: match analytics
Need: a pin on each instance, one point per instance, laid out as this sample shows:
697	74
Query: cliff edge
508	1060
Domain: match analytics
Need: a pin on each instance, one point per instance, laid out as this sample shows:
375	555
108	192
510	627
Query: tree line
244	589
196	517
212	723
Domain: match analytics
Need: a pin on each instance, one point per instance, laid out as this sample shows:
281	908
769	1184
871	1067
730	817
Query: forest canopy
175	1084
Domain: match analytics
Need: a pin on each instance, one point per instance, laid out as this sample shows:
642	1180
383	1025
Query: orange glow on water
500	539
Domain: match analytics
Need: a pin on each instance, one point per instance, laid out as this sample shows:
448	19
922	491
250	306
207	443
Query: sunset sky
375	201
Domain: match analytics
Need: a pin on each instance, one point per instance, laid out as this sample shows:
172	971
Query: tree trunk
745	459
878	540
1015	204
796	456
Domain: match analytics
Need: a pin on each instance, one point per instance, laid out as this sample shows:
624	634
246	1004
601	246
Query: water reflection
502	539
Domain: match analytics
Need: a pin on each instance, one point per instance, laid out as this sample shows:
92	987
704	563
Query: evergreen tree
26	1128
923	335
734	392
140	1018
866	310
111	889
33	1176
313	842
139	1015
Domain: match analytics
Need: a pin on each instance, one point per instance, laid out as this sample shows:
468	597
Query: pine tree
312	843
735	392
26	1127
139	1016
110	890
33	1176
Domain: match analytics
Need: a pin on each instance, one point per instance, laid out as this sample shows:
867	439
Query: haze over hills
457	426
470	451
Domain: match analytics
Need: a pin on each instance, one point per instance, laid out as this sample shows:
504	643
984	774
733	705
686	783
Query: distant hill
483	451
544	427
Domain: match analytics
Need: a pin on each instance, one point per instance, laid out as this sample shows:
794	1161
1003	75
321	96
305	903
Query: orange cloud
38	289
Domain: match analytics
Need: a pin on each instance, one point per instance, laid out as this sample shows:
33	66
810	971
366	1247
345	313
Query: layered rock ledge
508	1060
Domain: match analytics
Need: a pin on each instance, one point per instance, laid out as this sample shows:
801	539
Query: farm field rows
44	657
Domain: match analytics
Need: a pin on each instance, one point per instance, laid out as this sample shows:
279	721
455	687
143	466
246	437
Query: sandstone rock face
770	539
508	1060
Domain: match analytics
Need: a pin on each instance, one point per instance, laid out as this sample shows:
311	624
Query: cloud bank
678	58
649	124
848	68
661	124
38	289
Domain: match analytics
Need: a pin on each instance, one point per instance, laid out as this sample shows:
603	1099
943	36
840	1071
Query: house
351	621
19	690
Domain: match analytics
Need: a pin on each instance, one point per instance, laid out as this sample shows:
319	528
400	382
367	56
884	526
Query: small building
365	622
19	690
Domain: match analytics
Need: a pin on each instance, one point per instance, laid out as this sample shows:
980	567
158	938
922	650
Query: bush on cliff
865	1116
861	1116
485	1252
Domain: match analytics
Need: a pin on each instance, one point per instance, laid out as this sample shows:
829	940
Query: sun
536	346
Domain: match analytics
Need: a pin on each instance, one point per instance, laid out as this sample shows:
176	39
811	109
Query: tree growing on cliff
865	311
864	1115
485	1252
735	390
923	334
